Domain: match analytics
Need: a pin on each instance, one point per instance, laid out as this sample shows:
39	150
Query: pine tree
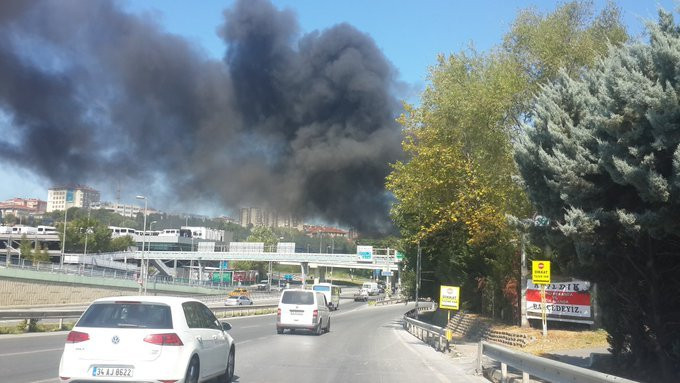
602	158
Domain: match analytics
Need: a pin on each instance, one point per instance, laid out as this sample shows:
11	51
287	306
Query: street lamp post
63	239
145	265
417	277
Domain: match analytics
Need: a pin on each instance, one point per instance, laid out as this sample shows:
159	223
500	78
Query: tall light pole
417	277
63	239
145	266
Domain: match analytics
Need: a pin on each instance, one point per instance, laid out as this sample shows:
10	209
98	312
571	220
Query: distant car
239	291
303	310
263	285
362	295
148	339
238	301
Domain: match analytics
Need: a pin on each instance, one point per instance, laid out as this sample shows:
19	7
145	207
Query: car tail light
278	312
316	313
169	339
65	377
77	337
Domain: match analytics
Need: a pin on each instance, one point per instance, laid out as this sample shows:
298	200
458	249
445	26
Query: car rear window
322	288
298	297
127	314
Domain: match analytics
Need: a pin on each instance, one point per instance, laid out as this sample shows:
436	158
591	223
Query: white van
304	310
332	293
371	287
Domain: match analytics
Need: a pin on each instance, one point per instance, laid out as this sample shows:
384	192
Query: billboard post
540	275
449	299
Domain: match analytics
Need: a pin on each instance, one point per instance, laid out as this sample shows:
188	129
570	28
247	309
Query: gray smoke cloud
299	123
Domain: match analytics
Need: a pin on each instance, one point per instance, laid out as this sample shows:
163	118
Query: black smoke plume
303	124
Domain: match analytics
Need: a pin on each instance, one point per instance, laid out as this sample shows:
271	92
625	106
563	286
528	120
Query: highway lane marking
31	352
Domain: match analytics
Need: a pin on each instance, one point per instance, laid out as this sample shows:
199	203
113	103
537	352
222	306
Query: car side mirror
226	326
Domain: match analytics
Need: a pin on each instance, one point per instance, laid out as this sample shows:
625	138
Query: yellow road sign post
540	275
449	299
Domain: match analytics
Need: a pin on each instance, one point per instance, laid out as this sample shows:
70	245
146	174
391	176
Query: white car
148	339
304	310
238	301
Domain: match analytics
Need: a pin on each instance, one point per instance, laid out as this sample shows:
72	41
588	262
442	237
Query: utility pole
524	322
417	278
145	266
63	239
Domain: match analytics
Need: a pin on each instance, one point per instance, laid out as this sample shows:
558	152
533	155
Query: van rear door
297	307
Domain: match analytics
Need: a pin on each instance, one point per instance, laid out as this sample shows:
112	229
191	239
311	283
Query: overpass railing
94	271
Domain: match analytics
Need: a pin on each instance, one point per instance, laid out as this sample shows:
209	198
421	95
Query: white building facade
64	197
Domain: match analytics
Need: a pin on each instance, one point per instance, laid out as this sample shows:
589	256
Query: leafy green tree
41	255
9	219
263	234
258	234
121	243
601	159
456	188
25	248
81	230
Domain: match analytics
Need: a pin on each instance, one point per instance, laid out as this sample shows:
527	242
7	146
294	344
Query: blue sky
410	33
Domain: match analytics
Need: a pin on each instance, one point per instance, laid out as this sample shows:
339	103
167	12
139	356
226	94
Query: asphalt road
366	344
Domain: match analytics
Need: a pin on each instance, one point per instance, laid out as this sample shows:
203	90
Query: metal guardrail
62	314
388	301
428	333
35	315
544	368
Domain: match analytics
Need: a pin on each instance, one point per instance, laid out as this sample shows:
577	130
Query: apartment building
23	207
64	197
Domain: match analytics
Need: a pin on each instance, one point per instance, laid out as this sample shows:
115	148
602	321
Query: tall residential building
64	197
256	216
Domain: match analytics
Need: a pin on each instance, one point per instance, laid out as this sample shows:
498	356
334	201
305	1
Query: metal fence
94	271
428	333
544	368
36	315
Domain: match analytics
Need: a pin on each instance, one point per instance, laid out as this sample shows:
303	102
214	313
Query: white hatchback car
148	339
303	310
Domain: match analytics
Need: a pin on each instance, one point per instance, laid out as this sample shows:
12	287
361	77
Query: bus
47	230
332	293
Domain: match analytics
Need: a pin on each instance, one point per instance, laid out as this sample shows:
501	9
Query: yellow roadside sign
449	297
540	272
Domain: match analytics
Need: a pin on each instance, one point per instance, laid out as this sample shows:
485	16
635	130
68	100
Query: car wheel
192	371
328	326
292	331
319	329
231	363
279	331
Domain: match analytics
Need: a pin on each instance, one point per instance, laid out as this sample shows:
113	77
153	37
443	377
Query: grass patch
564	340
34	326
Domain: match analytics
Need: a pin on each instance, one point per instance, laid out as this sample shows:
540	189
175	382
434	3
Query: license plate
296	312
112	371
